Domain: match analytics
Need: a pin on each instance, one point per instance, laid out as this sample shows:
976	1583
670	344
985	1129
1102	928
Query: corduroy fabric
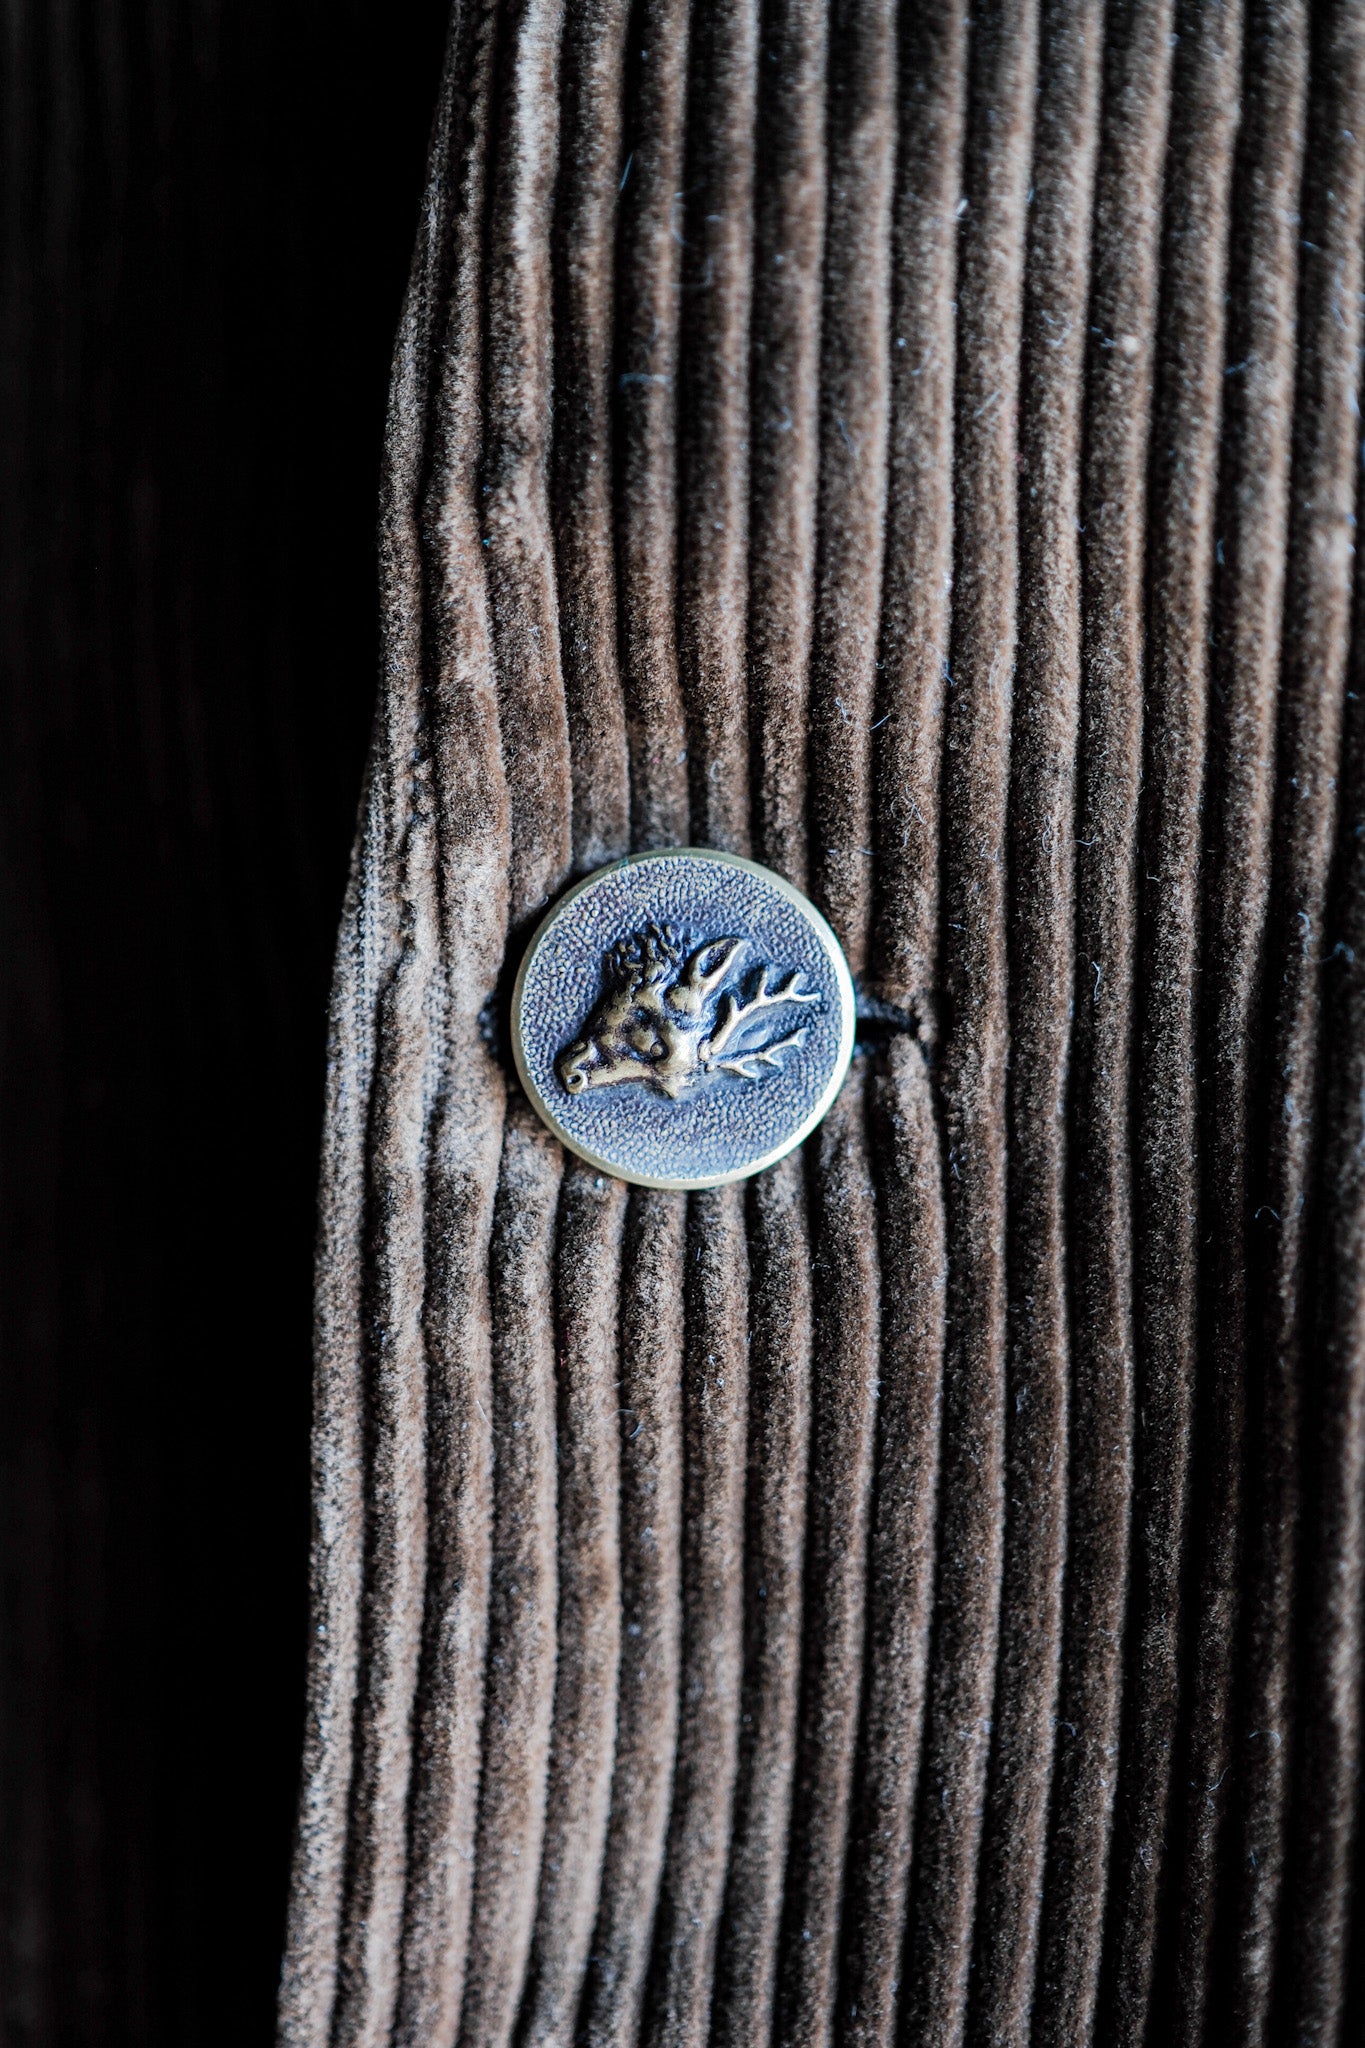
918	1597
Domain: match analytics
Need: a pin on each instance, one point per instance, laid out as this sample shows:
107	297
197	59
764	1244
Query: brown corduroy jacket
915	1597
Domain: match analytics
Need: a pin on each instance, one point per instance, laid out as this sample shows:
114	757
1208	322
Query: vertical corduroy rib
585	554
854	373
652	1362
844	1374
648	322
779	1432
1041	969
901	1543
582	1738
1186	419
523	147
789	241
523	1611
1327	1806
1122	321
396	1520
716	214
1248	589
715	1420
308	1976
975	786
1312	691
474	831
918	563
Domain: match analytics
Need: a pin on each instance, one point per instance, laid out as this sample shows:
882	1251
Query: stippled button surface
682	1019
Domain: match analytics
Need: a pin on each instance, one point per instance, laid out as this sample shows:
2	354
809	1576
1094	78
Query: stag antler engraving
665	1018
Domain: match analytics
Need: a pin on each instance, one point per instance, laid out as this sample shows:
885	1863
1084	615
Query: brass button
682	1019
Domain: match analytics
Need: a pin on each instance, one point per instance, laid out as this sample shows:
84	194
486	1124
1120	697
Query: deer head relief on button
683	1018
666	1019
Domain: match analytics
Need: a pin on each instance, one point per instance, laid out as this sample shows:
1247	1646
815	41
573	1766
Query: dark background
208	211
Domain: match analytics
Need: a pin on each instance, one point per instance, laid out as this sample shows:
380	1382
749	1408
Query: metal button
682	1019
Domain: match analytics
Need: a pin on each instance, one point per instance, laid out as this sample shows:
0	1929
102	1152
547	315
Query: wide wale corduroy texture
916	1597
